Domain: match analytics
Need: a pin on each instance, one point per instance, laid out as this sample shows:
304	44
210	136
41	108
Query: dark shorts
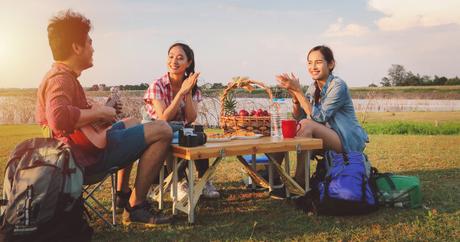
124	146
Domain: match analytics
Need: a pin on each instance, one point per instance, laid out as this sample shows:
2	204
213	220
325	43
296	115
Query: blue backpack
346	186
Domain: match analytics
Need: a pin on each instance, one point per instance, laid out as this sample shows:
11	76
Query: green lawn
242	215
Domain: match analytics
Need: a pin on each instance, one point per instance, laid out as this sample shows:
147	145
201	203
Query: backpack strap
66	169
345	158
363	189
326	187
387	177
373	183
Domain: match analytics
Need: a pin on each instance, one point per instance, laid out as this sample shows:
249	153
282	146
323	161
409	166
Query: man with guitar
62	106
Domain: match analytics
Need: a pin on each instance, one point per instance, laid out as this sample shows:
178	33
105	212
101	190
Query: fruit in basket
229	105
257	121
243	112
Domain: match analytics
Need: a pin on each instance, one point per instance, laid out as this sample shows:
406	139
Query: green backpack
42	184
398	191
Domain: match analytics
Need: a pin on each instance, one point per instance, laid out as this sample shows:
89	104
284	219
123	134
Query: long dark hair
191	57
328	57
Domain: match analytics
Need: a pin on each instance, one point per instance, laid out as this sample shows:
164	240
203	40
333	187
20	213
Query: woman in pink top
174	98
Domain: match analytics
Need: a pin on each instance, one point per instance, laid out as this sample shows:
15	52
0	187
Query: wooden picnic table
238	148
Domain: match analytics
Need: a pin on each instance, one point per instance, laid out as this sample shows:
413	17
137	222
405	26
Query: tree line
398	76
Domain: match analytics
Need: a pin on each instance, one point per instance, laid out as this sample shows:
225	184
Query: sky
253	38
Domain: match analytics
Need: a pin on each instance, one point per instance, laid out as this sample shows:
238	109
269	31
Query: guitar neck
99	126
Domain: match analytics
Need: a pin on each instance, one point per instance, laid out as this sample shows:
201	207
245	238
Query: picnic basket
231	123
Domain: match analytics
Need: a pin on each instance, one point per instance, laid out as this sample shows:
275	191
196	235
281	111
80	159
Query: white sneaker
210	191
182	190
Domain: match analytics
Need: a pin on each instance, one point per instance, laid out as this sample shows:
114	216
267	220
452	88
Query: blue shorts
124	146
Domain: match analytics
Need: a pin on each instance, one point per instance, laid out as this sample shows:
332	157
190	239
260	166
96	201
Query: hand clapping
189	83
289	82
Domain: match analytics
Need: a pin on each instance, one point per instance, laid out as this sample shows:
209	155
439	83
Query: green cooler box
399	191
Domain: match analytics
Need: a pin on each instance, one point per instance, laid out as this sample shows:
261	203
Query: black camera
192	136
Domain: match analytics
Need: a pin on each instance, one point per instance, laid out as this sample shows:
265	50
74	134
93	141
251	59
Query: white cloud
338	29
400	15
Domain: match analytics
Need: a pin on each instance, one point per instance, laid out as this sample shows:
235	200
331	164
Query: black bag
42	194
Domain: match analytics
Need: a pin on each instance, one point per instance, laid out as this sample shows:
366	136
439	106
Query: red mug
289	127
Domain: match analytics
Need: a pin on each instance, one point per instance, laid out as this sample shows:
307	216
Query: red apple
266	113
253	112
243	112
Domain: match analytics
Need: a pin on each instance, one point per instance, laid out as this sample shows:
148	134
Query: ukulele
93	136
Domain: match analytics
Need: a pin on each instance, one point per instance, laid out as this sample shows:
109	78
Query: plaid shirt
161	89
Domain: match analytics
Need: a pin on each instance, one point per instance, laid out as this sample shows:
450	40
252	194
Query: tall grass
413	128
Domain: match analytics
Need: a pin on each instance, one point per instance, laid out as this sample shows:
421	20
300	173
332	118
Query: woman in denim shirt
327	106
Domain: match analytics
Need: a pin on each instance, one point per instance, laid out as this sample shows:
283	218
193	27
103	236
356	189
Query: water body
22	109
211	107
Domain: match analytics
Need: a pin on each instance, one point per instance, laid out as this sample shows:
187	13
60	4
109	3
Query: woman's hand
188	84
289	82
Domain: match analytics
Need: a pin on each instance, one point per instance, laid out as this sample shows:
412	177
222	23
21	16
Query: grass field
242	215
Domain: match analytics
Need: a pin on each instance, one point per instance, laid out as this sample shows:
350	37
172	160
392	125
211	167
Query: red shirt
60	97
161	89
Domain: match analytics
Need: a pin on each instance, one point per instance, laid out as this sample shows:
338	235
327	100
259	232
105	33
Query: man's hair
64	29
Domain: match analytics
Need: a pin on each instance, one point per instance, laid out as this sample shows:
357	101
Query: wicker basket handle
245	83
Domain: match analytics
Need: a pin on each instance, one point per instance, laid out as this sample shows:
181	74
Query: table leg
288	171
174	188
288	181
307	171
160	184
188	203
254	167
270	176
252	173
191	205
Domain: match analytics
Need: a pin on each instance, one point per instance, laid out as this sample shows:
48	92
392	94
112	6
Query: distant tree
385	82
372	85
206	86
439	80
453	81
94	87
217	85
426	81
397	74
142	86
411	79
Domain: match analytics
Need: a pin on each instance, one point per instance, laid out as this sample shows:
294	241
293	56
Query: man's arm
63	115
97	112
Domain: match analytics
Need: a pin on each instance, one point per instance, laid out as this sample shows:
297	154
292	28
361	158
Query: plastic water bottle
276	114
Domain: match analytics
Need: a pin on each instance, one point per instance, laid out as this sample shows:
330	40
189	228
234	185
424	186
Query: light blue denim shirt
336	110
